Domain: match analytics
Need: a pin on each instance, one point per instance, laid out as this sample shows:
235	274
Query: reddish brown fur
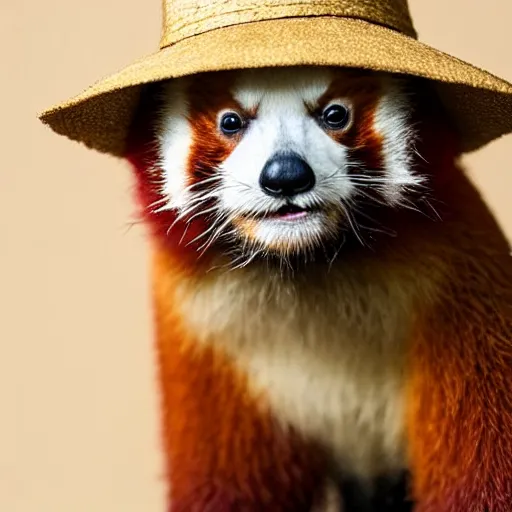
460	380
460	387
223	451
143	156
207	97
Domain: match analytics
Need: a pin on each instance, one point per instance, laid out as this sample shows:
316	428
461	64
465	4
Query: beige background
78	424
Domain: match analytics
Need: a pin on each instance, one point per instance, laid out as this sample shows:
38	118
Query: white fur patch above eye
252	86
393	124
175	136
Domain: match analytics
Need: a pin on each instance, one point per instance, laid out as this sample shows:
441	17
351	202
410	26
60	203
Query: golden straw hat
214	35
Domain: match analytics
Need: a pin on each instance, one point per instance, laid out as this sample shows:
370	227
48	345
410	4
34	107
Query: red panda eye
231	123
336	117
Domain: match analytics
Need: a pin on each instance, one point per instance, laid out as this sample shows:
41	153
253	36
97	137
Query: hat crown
186	18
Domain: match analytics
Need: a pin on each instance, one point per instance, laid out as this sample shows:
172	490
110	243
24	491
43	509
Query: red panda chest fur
327	356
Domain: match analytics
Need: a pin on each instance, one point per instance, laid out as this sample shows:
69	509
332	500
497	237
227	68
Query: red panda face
278	161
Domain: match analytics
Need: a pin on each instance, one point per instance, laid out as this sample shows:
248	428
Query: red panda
332	297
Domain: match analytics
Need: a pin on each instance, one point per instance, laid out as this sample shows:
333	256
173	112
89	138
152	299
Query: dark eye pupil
336	116
231	123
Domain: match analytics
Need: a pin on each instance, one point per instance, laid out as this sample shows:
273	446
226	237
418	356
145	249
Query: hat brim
479	102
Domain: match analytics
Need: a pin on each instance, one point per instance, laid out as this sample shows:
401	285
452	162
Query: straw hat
213	35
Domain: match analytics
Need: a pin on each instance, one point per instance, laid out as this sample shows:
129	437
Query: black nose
286	175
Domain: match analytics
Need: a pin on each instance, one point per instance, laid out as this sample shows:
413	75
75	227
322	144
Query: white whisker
213	227
216	234
352	224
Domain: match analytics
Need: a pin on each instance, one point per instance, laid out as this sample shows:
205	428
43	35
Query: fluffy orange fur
460	364
224	450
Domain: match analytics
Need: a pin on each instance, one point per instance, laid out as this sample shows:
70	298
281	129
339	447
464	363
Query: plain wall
78	404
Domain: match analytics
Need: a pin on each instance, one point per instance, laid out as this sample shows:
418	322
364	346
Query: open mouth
289	212
286	213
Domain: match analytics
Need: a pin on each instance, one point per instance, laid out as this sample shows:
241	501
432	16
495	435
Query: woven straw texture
186	18
204	35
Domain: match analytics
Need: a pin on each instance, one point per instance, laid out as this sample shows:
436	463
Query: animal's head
280	161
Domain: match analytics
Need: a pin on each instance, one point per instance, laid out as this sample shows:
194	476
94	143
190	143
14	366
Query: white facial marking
175	135
392	124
